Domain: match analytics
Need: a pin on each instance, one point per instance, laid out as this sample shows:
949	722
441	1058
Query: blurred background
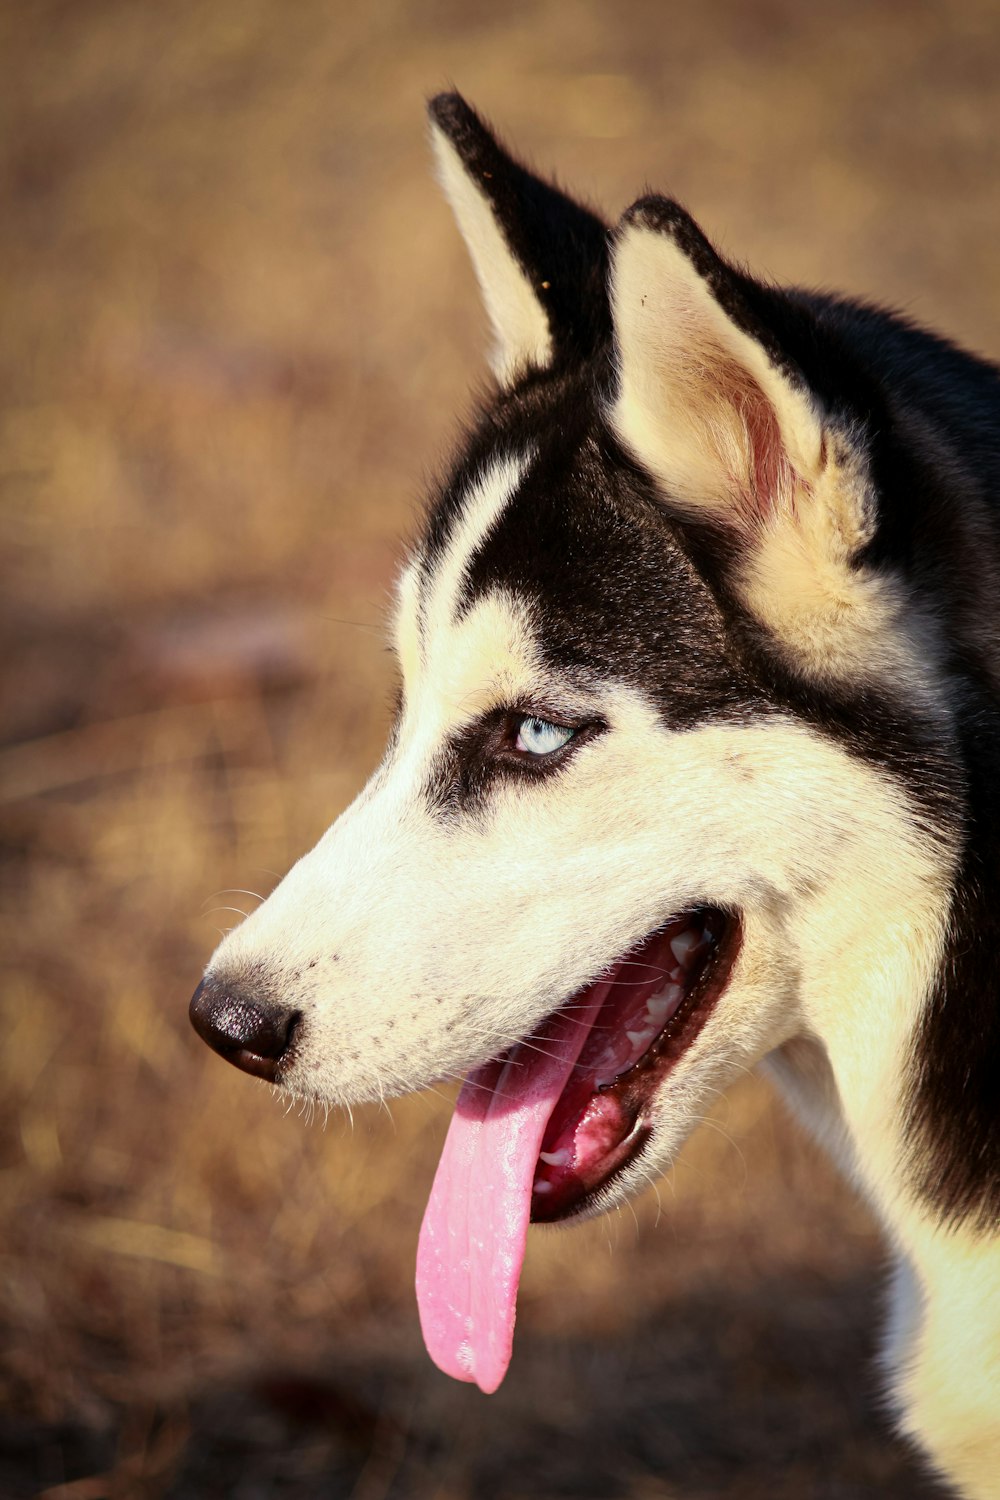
237	329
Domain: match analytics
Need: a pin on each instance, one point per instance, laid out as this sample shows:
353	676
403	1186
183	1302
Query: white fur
530	900
683	366
417	945
688	378
482	507
520	326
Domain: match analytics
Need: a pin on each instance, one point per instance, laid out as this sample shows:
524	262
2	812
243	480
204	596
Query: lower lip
600	1124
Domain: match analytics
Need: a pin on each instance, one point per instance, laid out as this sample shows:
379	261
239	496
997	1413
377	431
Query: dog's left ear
540	257
711	404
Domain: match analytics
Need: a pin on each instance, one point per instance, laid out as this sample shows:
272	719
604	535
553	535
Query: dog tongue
475	1228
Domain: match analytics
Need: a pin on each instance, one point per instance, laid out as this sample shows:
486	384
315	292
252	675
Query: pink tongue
476	1226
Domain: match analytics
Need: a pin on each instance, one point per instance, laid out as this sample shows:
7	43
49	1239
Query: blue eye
539	737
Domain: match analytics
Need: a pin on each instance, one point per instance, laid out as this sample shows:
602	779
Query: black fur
484	754
560	246
620	584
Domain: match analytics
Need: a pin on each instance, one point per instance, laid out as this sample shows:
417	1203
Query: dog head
664	718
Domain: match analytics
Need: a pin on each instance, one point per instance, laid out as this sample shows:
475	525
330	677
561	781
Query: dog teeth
541	1186
558	1158
663	1005
682	944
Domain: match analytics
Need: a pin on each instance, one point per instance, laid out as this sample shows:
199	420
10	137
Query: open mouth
658	998
539	1132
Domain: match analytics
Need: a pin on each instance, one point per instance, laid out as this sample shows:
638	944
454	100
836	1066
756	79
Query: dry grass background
236	325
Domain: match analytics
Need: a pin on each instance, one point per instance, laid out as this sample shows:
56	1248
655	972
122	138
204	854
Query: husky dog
695	767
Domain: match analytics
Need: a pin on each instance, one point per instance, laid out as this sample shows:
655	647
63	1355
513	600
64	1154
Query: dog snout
251	1034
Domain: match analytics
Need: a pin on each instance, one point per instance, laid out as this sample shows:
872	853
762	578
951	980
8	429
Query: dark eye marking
525	743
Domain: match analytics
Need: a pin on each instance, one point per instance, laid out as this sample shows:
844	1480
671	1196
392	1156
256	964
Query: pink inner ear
768	485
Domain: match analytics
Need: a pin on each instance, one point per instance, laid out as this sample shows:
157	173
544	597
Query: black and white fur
745	542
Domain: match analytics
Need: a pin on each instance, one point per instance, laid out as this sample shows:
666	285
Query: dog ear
710	402
541	258
706	398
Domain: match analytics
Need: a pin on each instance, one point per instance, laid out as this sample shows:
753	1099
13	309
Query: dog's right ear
541	258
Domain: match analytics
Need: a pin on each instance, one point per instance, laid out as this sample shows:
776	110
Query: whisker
237	890
354	624
467	1082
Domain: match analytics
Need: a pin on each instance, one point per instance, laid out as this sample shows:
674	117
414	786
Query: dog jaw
542	890
742	621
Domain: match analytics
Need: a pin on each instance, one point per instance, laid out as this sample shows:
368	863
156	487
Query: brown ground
236	325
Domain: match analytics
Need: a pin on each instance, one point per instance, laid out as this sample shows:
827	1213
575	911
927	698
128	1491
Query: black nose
250	1034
